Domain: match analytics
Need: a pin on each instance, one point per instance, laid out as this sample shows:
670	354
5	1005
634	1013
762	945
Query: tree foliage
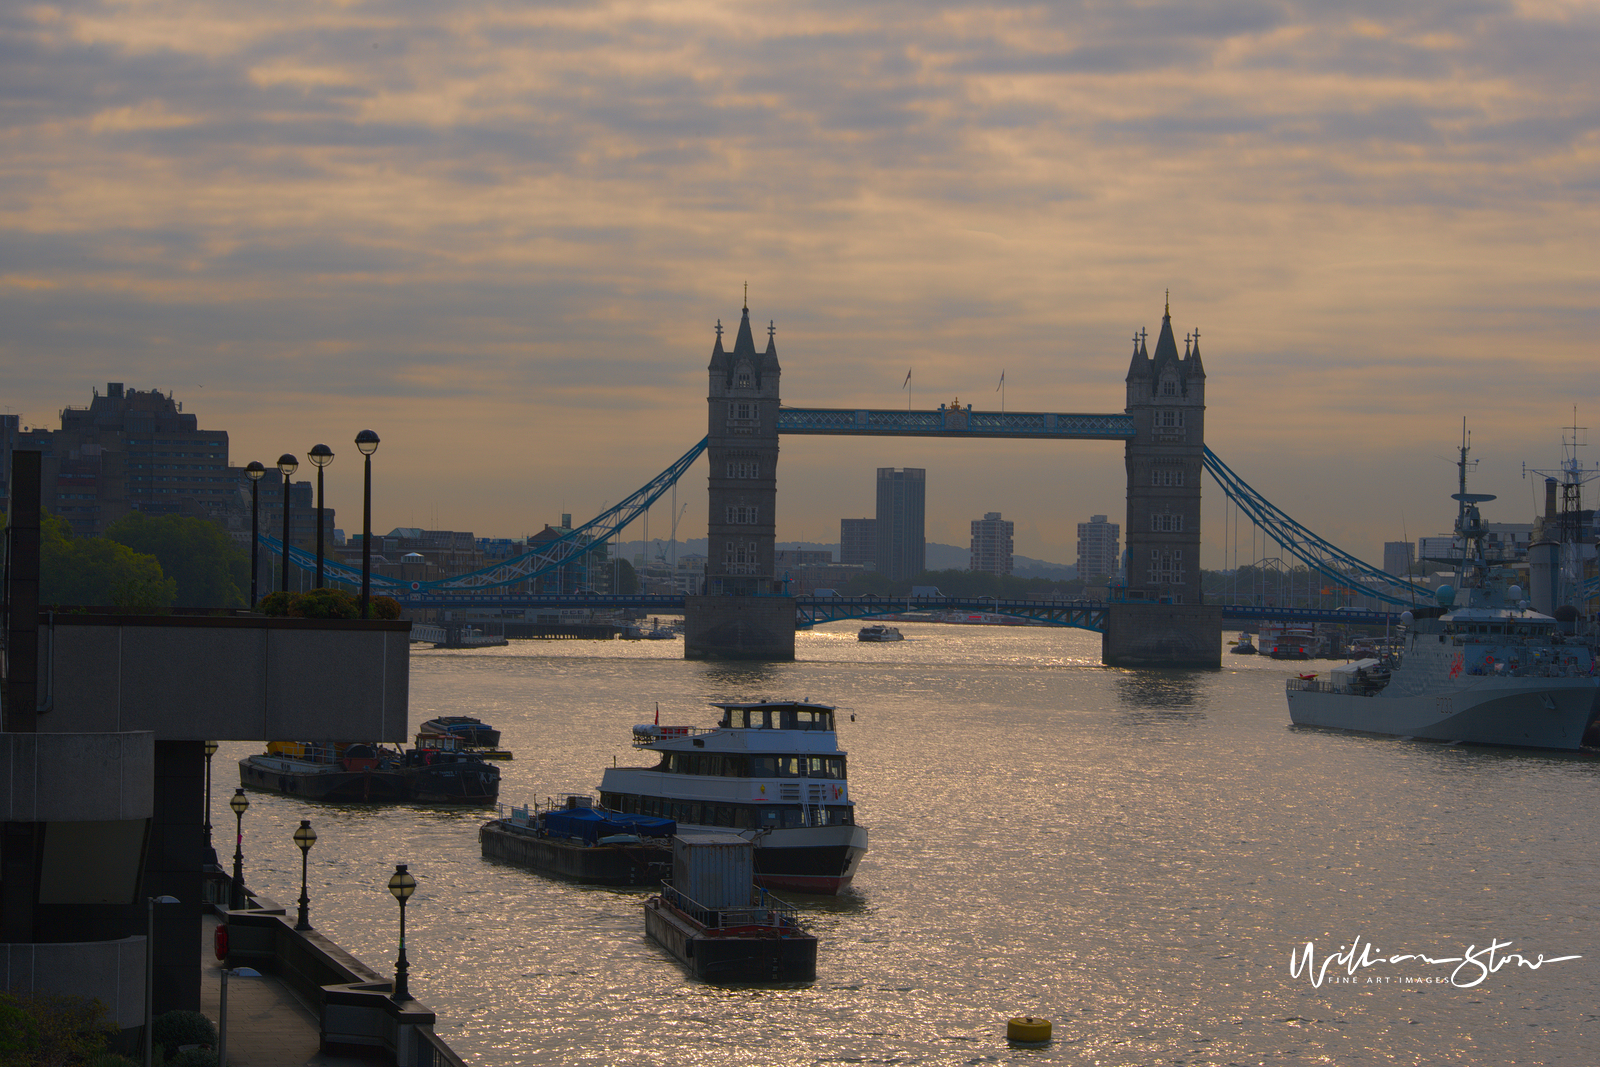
42	1030
97	571
209	569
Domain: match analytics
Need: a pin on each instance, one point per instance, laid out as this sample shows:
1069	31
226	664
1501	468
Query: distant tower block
1162	621
743	612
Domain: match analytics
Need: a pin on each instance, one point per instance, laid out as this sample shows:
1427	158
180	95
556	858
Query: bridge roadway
810	611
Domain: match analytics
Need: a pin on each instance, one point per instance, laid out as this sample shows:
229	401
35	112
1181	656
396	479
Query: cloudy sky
501	235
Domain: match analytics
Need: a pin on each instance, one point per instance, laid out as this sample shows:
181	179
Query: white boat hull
1523	712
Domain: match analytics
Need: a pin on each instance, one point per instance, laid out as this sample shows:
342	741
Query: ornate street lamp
254	470
304	837
211	750
402	885
321	455
240	804
150	972
287	465
367	441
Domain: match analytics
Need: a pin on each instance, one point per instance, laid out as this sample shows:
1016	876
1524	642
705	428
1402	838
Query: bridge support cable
548	557
1317	554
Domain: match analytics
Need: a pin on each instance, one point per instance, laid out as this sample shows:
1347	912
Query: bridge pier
738	627
1162	635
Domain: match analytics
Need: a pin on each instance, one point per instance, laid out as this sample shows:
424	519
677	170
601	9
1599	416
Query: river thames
1141	857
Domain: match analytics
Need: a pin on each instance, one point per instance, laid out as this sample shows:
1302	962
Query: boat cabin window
806	719
747	718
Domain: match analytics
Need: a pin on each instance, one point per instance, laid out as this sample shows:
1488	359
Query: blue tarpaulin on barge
589	825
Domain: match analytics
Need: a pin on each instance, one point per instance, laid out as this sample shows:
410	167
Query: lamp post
304	837
287	465
222	1010
150	972
321	455
402	885
367	442
240	804
254	470
211	750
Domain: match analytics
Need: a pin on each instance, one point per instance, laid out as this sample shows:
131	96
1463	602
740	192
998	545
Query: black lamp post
287	465
254	470
402	885
239	803
304	837
211	750
321	455
367	441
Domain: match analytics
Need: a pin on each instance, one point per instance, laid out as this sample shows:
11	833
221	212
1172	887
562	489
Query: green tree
209	569
627	577
95	571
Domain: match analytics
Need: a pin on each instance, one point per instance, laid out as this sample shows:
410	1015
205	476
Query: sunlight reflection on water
1131	854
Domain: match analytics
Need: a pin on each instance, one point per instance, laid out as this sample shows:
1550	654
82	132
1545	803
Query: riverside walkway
268	1026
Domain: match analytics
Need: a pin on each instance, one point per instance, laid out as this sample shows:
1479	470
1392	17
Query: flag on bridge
908	379
1002	382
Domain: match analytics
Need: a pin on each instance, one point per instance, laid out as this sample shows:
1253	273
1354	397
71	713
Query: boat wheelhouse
771	771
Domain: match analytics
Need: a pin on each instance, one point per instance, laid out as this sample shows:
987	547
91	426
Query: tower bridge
743	612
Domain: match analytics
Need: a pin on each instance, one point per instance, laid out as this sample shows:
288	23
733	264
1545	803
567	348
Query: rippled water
1132	855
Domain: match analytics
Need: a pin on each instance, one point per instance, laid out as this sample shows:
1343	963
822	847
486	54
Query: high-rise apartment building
1098	554
858	541
991	544
902	499
1398	556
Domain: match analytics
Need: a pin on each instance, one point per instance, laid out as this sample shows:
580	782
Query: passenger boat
1486	670
769	771
880	633
580	842
721	927
358	772
1293	643
474	733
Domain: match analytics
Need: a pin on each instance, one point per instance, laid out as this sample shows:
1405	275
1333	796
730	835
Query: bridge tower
1162	620
743	612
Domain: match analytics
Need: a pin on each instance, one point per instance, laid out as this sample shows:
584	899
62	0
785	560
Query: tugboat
718	925
1244	646
771	772
474	733
578	841
880	633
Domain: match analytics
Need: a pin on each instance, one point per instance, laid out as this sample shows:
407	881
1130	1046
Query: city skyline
502	239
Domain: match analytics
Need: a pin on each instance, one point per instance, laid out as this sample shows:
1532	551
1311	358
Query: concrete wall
229	679
1162	635
87	777
738	627
109	971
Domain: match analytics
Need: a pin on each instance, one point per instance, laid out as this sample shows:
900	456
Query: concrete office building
902	498
992	541
1098	552
1398	556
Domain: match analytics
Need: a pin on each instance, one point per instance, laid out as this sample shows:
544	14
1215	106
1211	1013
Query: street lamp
222	1010
240	804
287	465
211	750
254	470
150	972
402	885
321	455
304	837
367	441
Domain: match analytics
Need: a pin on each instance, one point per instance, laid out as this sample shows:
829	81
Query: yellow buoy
1028	1028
